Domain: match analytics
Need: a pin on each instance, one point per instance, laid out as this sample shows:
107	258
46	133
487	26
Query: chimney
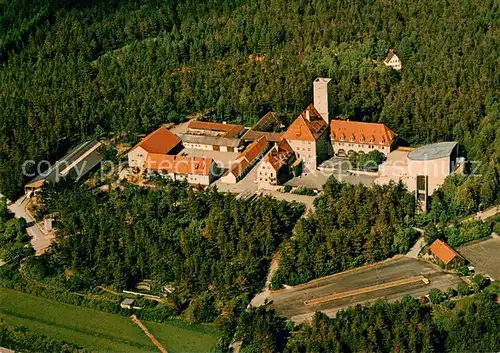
308	114
321	99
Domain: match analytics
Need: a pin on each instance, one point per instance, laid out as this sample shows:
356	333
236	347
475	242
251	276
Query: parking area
317	179
484	256
372	282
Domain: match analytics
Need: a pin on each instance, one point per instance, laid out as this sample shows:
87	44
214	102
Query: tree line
209	246
352	225
470	325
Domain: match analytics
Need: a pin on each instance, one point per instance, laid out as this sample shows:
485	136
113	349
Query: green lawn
99	331
180	337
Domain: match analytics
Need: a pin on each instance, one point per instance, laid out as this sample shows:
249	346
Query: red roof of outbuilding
228	130
443	251
159	141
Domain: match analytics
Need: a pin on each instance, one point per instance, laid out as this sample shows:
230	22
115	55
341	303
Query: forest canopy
71	69
209	246
352	225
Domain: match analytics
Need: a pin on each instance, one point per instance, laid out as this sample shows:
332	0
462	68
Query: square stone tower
321	97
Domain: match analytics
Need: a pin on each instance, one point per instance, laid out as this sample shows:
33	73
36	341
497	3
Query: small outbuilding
127	303
446	255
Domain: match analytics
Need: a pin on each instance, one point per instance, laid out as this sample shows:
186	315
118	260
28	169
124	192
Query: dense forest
468	325
74	68
352	225
209	246
14	241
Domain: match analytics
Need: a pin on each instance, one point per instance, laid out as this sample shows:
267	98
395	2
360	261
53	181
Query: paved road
481	216
39	239
418	246
260	298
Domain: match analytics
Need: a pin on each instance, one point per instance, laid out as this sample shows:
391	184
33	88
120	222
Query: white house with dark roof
393	60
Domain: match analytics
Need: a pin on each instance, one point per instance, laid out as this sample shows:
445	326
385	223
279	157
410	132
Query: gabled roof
304	129
443	251
389	56
268	120
159	141
254	149
226	130
248	156
283	145
280	157
361	132
252	135
179	164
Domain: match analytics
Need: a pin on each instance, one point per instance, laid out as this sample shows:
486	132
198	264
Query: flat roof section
432	151
252	135
84	157
211	140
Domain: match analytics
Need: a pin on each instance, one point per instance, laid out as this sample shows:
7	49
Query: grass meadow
99	331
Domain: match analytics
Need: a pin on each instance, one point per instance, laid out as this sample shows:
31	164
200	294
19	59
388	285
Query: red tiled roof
179	164
443	251
285	146
278	159
254	149
229	130
306	130
238	168
361	132
251	152
159	141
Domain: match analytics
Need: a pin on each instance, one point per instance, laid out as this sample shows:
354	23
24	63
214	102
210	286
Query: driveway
39	239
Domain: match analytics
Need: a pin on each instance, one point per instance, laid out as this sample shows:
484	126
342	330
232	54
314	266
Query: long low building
209	128
194	170
211	143
79	161
246	160
354	136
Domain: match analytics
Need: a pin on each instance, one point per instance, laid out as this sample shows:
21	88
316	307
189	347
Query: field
484	256
98	331
391	279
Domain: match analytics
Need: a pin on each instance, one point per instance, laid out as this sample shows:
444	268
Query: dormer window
361	139
352	138
372	139
382	141
342	138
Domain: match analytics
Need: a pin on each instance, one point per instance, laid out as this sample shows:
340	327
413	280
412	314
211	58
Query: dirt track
290	302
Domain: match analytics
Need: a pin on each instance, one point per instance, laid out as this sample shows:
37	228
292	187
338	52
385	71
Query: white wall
266	176
305	151
197	146
358	147
137	157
